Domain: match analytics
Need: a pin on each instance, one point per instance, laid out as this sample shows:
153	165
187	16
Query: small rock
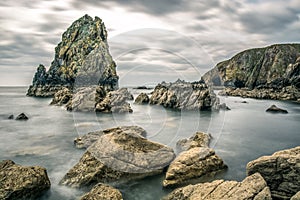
102	192
296	196
10	117
199	139
143	98
244	102
223	106
22	116
275	109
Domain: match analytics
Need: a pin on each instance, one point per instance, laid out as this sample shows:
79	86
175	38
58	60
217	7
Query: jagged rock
143	98
182	95
275	109
281	172
86	140
103	192
191	164
264	73
10	117
62	97
22	116
22	182
252	187
81	59
199	139
119	157
296	196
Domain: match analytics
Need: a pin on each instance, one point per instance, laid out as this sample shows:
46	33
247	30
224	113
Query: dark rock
143	98
253	187
22	182
119	157
22	116
244	102
10	117
281	172
102	192
199	139
275	109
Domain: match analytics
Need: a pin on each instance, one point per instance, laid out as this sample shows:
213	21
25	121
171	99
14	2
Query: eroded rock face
182	95
88	139
143	98
199	139
191	164
119	157
252	187
281	172
22	182
82	58
102	192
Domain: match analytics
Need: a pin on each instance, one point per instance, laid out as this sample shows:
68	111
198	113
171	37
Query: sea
239	135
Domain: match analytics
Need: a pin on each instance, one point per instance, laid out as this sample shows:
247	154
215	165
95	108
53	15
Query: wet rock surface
102	192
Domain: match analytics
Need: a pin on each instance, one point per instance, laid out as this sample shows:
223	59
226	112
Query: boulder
199	139
296	196
118	157
275	109
22	182
194	163
22	116
86	140
102	192
62	97
182	95
143	98
281	172
252	187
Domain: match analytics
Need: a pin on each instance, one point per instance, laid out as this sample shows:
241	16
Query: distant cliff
274	69
82	58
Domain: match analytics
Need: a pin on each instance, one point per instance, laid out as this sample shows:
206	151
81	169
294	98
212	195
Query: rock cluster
22	182
281	172
82	58
183	95
102	192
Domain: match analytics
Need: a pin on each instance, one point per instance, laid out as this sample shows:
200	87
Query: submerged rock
252	187
192	164
22	182
10	117
281	172
88	139
183	95
143	98
102	192
199	139
22	116
117	157
275	109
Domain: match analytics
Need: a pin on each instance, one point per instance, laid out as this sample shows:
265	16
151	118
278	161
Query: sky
150	40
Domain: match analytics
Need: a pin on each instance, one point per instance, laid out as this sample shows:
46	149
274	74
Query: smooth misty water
240	135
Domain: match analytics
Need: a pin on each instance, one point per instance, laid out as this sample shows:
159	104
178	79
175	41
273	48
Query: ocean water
240	135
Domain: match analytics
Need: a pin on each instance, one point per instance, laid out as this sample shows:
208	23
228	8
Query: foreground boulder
182	95
192	164
118	157
22	182
199	139
275	109
88	139
22	116
82	58
296	196
253	187
102	192
281	172
143	98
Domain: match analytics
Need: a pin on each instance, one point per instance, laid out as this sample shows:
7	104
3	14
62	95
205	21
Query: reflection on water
239	135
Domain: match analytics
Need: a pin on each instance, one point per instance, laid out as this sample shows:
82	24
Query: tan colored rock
102	192
253	187
143	98
296	196
199	139
191	164
280	170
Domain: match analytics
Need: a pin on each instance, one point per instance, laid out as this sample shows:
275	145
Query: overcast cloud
151	41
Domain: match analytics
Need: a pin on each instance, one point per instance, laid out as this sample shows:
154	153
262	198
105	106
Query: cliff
82	58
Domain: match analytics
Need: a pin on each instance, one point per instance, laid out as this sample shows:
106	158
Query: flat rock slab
253	187
22	182
102	192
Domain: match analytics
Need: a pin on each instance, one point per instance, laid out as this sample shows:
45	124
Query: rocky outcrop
183	95
281	172
272	72
119	156
102	192
62	97
192	164
22	182
143	98
275	109
81	59
22	116
296	196
253	187
199	139
88	139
